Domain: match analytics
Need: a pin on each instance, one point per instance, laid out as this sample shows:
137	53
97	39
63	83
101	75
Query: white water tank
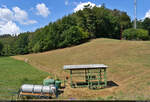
37	88
28	88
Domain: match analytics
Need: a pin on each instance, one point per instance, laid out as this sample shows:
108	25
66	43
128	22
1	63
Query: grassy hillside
128	61
14	73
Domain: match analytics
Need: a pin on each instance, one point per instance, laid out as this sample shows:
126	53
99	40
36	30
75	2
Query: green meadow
14	73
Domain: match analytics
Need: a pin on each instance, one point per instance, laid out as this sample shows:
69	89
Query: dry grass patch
129	63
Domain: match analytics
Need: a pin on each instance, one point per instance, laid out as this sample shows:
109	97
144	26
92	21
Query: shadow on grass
60	92
111	84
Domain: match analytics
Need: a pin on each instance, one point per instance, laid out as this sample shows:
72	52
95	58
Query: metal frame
88	77
38	95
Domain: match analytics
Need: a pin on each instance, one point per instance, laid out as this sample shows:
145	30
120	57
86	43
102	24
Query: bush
135	34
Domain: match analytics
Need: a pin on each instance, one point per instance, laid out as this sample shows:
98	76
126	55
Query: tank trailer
48	90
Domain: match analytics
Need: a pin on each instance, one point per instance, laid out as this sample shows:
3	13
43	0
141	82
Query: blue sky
27	15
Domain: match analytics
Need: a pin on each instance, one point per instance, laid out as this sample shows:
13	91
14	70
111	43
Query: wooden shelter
91	75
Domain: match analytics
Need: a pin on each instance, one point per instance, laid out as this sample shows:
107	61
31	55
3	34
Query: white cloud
8	19
4	6
22	17
81	5
75	3
30	22
9	28
66	2
147	15
42	10
98	5
5	14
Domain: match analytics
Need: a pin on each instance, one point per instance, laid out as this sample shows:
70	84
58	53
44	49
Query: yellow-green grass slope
128	61
14	73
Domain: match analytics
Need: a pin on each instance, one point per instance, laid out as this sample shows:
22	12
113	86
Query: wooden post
91	78
71	77
85	76
99	75
88	79
105	78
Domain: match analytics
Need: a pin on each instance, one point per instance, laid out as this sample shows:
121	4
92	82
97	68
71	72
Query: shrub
135	34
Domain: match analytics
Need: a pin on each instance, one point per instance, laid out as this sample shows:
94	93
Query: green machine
50	81
47	82
58	83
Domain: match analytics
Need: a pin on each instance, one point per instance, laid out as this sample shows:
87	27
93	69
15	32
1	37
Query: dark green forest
73	29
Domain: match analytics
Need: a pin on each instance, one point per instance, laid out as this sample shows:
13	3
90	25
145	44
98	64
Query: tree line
73	29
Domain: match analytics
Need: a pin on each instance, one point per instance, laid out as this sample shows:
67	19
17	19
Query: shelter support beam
105	77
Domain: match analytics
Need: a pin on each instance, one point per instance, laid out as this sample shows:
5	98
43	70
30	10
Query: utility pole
135	14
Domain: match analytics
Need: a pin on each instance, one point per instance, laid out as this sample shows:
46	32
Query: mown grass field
14	73
128	61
